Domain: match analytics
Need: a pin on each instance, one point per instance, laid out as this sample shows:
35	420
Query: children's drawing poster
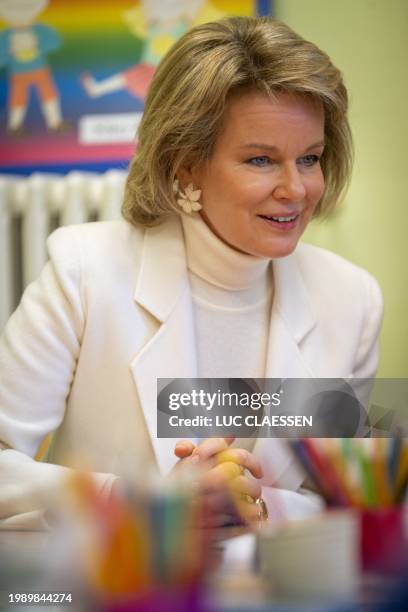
74	75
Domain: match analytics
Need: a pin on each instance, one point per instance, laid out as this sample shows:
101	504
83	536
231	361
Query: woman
243	141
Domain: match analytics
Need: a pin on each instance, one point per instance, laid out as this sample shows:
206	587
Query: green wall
368	41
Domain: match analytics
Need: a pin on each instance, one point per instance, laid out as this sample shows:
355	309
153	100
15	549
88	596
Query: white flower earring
188	199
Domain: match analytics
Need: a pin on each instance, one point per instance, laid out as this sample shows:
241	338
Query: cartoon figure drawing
159	23
24	47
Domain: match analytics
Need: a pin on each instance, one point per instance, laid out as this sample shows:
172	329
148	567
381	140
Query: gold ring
262	510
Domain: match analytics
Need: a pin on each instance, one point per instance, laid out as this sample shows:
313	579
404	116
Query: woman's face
264	179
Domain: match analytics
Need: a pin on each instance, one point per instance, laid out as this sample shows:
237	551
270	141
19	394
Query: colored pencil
363	473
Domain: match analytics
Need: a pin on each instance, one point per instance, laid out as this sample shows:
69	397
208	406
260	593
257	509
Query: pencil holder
383	545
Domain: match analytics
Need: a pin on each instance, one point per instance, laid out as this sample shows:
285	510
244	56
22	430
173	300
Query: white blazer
112	311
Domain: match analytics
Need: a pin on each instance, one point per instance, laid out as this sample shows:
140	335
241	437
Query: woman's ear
184	176
189	175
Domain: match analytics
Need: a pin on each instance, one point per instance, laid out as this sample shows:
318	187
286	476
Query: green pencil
367	477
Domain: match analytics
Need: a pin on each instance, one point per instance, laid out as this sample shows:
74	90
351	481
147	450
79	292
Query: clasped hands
228	493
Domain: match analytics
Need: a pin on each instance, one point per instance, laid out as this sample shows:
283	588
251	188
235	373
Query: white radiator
31	208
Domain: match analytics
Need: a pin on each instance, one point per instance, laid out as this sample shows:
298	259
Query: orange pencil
380	470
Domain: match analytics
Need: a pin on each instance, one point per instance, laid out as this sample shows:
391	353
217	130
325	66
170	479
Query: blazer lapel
163	290
292	320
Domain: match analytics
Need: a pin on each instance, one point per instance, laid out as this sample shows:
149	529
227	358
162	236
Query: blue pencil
394	457
304	459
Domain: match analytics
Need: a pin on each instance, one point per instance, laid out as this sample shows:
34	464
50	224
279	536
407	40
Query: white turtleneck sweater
232	297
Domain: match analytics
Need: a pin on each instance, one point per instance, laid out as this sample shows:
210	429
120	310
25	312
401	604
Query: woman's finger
226	502
217	501
246	486
207	449
244	458
184	448
218	509
226	506
221	476
212	521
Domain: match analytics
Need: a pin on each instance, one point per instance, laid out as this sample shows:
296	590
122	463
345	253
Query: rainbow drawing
74	74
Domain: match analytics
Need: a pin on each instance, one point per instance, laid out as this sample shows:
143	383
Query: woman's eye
260	160
309	160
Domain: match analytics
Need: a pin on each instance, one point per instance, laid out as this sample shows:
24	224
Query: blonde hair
189	94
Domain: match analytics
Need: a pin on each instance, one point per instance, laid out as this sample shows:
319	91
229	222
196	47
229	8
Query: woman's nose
290	185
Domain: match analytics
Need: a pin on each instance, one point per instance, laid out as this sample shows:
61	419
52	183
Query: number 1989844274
40	597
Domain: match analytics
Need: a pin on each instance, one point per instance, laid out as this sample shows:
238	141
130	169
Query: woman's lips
283	223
